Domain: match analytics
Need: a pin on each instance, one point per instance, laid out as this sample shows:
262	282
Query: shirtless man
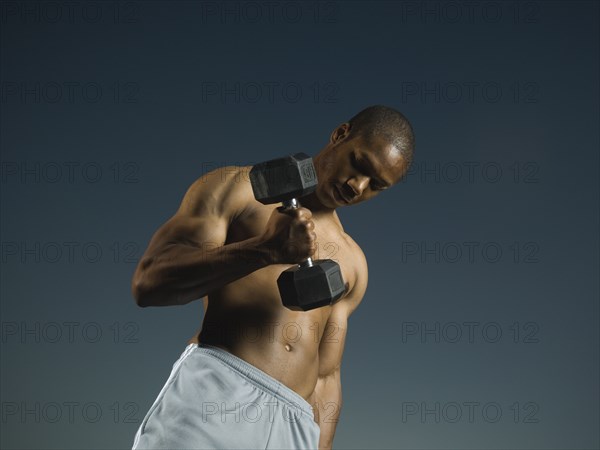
227	248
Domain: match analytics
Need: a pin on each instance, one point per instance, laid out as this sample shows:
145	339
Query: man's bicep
205	213
202	232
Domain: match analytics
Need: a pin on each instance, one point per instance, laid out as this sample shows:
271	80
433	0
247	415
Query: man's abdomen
280	342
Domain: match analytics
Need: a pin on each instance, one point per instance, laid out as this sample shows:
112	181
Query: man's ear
340	133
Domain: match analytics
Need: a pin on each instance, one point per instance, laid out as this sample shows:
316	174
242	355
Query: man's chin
327	201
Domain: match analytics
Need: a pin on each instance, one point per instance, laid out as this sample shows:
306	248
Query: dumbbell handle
294	204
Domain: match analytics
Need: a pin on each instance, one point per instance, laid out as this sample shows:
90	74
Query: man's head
369	153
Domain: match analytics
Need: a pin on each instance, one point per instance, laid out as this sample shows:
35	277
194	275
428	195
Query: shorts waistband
258	377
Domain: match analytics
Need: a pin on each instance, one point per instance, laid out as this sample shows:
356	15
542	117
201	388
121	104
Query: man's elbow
143	292
140	294
140	289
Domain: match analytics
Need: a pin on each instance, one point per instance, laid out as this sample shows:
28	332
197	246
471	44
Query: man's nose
358	184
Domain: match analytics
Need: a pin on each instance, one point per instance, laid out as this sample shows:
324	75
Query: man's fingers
303	213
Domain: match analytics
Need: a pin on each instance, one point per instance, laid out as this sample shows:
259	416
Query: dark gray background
503	97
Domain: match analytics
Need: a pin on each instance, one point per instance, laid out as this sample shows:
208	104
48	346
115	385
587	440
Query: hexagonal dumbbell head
282	179
305	288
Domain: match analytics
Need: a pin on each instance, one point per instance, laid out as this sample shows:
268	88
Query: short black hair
386	122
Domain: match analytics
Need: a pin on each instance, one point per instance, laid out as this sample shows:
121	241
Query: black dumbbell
310	284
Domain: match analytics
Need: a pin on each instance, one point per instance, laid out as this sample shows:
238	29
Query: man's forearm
181	273
326	401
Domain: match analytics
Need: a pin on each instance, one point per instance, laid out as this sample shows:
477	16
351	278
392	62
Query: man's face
352	169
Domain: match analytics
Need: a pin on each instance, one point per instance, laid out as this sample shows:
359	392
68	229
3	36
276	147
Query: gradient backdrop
479	329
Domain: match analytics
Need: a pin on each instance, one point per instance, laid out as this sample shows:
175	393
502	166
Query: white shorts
215	400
